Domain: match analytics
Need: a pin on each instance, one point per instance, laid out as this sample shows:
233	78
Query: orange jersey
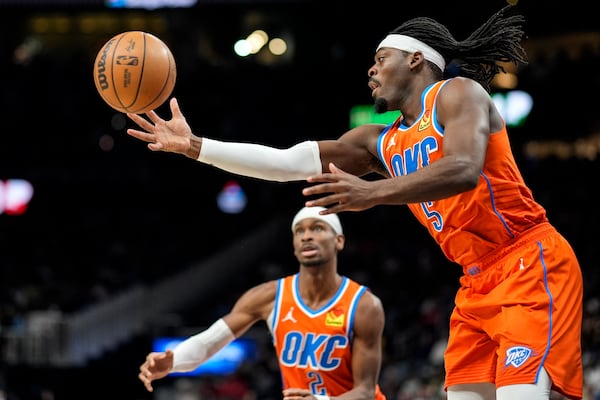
314	347
519	307
471	224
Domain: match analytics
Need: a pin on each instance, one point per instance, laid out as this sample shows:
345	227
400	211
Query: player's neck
318	286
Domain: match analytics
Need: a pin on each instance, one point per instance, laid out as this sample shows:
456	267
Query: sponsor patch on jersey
426	120
335	317
517	355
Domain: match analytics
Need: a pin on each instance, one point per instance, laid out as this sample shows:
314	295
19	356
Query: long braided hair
477	57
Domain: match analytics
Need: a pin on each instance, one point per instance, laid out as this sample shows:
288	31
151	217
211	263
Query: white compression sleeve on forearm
295	163
196	349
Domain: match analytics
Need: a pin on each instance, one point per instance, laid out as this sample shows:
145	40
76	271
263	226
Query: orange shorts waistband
538	232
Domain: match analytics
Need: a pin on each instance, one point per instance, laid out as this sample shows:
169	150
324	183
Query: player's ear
340	241
415	59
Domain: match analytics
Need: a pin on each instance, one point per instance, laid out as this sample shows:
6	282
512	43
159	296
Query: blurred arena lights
258	40
232	198
15	195
150	4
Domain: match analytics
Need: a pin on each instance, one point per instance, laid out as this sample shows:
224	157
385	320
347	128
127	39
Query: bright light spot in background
257	40
149	4
278	46
15	195
232	199
242	48
365	114
514	106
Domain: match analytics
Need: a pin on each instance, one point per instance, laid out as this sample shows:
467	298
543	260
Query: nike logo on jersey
289	316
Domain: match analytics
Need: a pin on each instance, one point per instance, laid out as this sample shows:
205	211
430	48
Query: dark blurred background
119	245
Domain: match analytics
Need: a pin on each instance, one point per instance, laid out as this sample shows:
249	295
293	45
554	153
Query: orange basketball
134	72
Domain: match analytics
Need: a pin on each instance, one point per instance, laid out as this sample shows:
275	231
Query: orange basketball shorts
519	312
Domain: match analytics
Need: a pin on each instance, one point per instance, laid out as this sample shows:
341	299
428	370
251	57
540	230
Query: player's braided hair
477	57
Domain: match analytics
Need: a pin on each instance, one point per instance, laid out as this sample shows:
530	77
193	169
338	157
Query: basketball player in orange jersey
326	328
515	331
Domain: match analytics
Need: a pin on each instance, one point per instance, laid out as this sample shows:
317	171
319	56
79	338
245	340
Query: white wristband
248	159
320	397
193	351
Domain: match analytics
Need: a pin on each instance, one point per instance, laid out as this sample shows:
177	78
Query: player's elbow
467	175
366	393
470	181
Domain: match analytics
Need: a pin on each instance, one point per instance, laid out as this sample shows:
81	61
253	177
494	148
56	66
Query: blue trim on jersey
352	309
308	310
550	307
380	150
404	127
436	124
277	307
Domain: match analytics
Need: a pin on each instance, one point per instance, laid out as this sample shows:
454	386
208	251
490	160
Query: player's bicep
254	305
354	152
367	344
463	111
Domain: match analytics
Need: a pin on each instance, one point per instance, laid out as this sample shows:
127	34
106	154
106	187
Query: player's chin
312	262
380	105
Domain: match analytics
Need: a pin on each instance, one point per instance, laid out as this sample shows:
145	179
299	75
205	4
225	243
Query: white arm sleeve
283	165
193	351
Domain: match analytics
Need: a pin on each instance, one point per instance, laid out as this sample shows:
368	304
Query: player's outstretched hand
172	136
156	366
340	191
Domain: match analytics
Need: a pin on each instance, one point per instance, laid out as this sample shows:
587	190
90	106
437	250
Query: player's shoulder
370	301
263	291
460	86
461	92
370	313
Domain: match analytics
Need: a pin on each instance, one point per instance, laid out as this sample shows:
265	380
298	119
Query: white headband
313	212
410	44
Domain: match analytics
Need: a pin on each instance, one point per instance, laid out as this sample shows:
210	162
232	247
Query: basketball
134	72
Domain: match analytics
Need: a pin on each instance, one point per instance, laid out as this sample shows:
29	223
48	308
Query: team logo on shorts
516	356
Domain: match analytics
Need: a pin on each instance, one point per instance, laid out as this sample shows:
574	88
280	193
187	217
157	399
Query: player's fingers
143	377
134	117
146	137
325	177
319	189
295	392
153	116
175	110
332	203
146	377
148	385
335	169
141	122
156	146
